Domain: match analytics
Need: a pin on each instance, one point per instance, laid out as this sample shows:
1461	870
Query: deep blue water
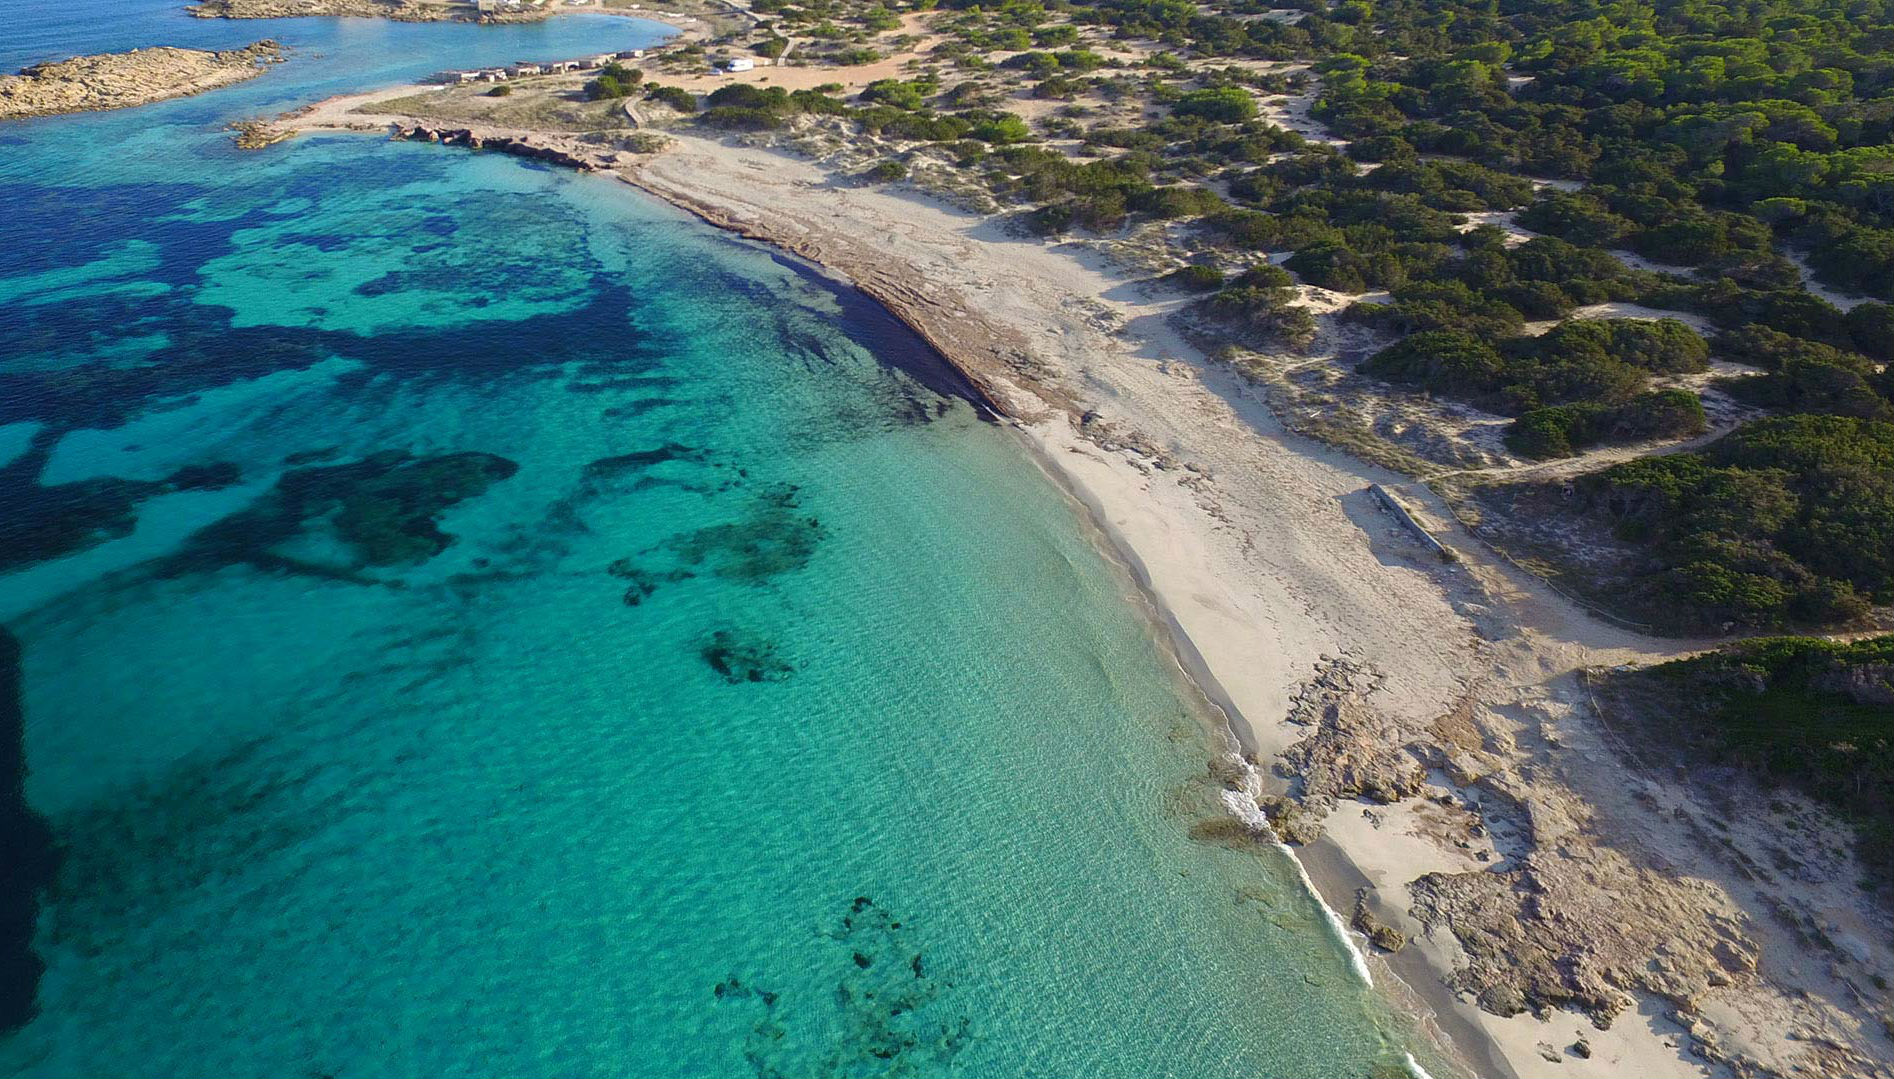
474	620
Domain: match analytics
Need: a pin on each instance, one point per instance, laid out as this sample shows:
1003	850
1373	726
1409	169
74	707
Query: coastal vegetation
1496	238
1811	715
1611	232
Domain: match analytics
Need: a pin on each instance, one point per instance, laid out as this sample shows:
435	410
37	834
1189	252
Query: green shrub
901	95
1805	713
607	87
1562	430
1001	130
675	97
1218	104
1197	278
739	118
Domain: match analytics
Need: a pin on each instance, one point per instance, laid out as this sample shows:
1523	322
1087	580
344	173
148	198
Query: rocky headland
121	79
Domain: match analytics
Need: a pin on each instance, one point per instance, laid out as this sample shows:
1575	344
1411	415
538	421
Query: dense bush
1198	278
1261	303
1804	376
1562	430
674	96
1598	363
746	107
1221	104
1783	520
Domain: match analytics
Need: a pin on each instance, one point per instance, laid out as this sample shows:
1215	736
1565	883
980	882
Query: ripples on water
475	621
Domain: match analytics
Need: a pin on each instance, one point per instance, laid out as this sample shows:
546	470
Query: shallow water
511	628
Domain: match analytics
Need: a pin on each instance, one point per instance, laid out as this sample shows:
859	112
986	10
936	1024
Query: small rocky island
122	79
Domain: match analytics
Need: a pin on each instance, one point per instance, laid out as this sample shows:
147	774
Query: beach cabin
465	76
493	74
606	58
631	54
560	67
527	69
741	63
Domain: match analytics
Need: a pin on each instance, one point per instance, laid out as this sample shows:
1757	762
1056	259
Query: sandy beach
1267	557
1344	652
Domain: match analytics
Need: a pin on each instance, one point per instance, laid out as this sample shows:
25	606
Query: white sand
1264	553
1262	550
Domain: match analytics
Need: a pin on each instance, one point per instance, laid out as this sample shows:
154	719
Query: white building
741	63
527	69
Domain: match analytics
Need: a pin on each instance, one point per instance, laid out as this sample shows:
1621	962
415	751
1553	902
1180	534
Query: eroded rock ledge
121	79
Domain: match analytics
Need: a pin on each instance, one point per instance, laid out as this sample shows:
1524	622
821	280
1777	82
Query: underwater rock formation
775	537
894	1015
39	523
27	855
744	657
385	508
643	582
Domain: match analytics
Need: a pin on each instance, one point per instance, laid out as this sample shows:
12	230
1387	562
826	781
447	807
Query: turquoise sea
474	620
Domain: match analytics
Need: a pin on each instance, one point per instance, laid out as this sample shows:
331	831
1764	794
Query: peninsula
122	79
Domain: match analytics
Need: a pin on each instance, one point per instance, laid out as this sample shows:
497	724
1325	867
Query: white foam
1414	1068
1242	805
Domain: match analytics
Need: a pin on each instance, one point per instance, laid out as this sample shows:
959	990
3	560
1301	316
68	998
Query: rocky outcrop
27	857
1353	752
1369	924
1864	683
122	79
507	144
1542	936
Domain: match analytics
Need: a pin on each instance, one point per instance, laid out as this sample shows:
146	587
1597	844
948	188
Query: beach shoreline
1266	563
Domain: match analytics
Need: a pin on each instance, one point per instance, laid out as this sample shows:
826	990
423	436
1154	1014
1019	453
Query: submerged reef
39	523
643	582
27	855
773	538
741	657
385	509
893	1016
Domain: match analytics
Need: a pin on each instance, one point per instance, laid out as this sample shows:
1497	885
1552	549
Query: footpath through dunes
122	79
